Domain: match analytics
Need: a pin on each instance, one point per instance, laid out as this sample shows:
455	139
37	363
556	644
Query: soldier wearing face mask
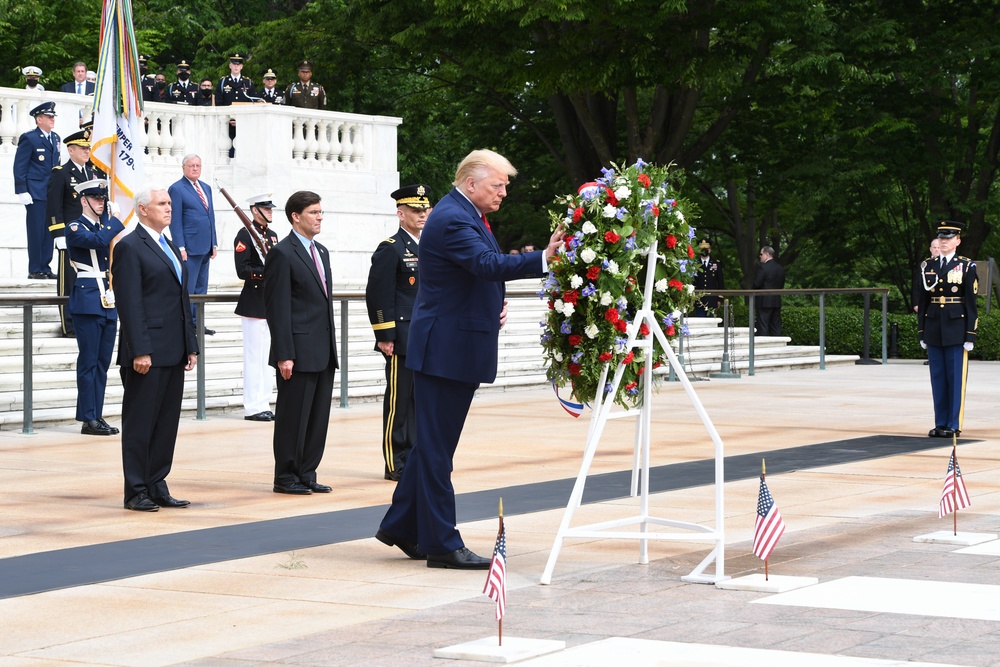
205	96
31	76
183	91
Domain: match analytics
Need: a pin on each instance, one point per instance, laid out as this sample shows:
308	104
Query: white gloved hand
968	346
25	198
60	243
923	345
114	209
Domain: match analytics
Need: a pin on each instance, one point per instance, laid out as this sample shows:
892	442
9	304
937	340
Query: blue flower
607	387
589	290
633	391
621	342
609	176
577	357
682	264
622	304
685	331
565	327
668	321
630	243
691	233
589	194
622	212
546	337
605	264
571	257
640	163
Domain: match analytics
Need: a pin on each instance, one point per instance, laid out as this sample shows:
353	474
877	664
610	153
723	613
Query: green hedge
845	331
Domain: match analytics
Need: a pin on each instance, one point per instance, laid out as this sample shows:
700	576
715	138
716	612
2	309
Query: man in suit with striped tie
193	226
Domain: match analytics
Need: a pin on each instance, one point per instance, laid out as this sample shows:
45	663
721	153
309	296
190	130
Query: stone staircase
54	357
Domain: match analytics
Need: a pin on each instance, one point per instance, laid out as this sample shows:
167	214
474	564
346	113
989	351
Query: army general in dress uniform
947	319
390	293
92	304
709	277
304	93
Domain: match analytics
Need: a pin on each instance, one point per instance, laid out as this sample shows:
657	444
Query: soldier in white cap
31	76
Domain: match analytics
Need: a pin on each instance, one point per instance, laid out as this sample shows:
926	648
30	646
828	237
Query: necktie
201	194
487	223
319	266
171	256
79	89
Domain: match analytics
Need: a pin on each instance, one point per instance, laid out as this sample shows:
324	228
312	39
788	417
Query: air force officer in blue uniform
452	348
37	153
947	320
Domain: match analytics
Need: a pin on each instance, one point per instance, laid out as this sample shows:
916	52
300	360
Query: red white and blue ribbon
574	409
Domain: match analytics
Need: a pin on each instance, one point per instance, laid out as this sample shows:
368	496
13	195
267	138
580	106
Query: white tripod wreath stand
641	461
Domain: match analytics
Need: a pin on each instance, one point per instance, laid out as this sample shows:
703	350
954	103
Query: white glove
25	198
923	345
60	243
968	346
114	208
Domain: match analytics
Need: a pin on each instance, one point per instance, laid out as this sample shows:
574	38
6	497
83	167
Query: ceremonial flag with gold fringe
116	146
954	495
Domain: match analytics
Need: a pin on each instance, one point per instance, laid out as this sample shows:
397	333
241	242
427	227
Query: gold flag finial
763	468
500	510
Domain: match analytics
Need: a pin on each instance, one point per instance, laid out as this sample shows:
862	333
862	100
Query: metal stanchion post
200	366
725	371
866	359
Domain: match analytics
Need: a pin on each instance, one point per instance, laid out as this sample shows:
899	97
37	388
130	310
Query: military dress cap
44	109
262	200
414	196
305	64
949	228
81	138
143	59
96	187
705	244
31	70
237	58
269	74
183	65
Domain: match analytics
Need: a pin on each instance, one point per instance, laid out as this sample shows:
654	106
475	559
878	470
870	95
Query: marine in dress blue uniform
709	277
37	152
91	303
947	320
391	290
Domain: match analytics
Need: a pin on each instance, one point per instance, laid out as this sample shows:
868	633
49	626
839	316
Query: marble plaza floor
248	577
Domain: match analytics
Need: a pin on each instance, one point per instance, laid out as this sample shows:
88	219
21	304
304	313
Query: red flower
656	365
644	180
552	305
574	369
643	329
621	326
690	252
604	356
656	211
611	315
671	241
611	197
577	214
642	369
676	284
593	272
611	237
575	340
669	330
631	385
571	296
629	357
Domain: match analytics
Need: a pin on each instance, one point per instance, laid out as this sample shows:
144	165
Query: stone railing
349	159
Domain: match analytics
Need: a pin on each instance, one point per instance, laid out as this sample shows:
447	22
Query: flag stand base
775	583
603	403
487	649
949	537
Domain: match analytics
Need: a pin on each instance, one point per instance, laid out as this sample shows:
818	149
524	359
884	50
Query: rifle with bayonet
258	240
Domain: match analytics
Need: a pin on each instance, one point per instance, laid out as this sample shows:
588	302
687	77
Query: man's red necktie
487	223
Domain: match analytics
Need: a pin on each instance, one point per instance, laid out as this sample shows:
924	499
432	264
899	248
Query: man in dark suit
709	277
193	225
299	311
250	253
392	288
37	152
79	84
769	275
157	345
452	348
947	322
92	303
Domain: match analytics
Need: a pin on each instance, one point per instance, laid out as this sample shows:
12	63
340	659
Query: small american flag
769	525
954	490
496	579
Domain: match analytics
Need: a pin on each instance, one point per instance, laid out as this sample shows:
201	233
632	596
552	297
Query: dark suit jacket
769	275
153	307
33	163
456	318
88	87
299	315
63	203
392	288
191	226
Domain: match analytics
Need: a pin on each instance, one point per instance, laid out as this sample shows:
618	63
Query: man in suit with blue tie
79	84
193	225
452	349
157	345
37	152
299	311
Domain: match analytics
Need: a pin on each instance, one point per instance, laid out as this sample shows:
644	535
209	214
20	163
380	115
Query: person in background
31	76
193	226
918	274
206	97
271	94
709	277
770	276
79	85
304	93
182	91
37	152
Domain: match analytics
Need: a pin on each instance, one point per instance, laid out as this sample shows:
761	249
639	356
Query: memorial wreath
595	282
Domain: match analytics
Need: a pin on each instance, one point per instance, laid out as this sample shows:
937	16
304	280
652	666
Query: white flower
588	228
568	309
689	288
557	306
557	355
661	285
680	216
587	255
610	211
622	193
613	267
676	315
591	330
576	281
606	298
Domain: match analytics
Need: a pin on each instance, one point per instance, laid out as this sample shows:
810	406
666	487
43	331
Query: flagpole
763	475
954	485
499	533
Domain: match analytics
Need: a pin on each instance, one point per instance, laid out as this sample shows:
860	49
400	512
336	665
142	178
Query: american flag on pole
769	526
954	492
496	579
116	146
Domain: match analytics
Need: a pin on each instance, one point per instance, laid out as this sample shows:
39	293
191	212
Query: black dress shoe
141	503
169	501
95	427
394	476
209	332
114	431
460	559
270	415
37	276
408	548
941	432
294	489
69	334
259	417
51	276
316	487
